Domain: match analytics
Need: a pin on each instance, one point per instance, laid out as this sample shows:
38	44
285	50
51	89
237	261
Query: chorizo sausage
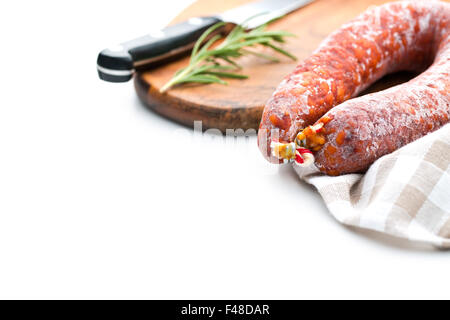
359	131
405	35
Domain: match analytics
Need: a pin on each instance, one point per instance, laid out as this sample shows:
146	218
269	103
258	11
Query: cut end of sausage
265	139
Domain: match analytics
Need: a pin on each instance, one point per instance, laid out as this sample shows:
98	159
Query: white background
101	198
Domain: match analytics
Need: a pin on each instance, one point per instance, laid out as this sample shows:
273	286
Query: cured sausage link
405	35
361	130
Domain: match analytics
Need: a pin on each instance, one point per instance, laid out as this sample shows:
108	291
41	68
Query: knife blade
119	63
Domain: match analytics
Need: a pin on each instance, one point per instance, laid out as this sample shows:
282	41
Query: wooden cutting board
241	102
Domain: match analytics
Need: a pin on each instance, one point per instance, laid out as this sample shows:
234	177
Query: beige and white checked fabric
404	194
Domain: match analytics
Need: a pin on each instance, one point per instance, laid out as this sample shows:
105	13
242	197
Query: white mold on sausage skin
382	122
397	36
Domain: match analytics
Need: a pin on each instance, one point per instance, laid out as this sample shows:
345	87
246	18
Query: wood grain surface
240	103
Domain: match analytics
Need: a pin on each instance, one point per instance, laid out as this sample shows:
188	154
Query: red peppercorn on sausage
405	35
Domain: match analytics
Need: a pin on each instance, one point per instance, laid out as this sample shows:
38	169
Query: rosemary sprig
209	65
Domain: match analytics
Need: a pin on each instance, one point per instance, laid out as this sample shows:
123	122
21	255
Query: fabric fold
404	194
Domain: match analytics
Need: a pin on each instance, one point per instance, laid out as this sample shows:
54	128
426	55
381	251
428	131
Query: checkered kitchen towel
404	194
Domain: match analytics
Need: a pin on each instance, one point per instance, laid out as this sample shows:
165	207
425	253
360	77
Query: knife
118	64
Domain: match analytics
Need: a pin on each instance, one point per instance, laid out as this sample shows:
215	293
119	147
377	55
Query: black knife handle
118	64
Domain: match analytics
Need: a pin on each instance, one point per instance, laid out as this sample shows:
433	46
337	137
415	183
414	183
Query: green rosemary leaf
270	34
179	71
204	36
234	64
205	78
223	68
228	75
206	64
262	55
278	49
